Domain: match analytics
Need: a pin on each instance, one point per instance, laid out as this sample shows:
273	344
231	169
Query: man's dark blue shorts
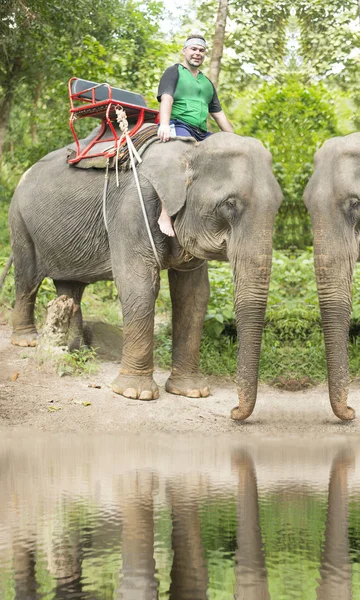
186	130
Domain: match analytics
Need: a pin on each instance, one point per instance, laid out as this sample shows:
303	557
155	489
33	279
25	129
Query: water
135	518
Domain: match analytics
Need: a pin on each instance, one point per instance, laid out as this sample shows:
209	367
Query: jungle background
287	73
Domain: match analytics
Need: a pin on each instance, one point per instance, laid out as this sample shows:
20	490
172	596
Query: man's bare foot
165	224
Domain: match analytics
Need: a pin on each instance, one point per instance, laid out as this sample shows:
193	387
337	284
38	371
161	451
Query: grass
77	362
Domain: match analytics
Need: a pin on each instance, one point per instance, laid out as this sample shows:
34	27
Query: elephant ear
165	165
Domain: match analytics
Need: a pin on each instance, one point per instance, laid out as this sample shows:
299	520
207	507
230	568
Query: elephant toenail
146	395
130	393
193	394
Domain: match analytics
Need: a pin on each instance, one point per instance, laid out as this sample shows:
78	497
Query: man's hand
165	112
164	132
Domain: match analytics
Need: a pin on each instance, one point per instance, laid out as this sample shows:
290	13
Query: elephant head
224	198
332	197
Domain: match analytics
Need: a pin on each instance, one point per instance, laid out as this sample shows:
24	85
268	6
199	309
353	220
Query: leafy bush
293	120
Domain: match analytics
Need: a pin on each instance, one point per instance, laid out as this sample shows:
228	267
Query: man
186	99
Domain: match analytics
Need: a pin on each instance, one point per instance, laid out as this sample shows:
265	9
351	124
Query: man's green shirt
194	97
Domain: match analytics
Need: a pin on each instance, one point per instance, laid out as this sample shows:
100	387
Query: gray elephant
223	197
332	197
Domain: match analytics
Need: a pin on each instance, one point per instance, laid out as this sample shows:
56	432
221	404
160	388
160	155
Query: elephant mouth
208	250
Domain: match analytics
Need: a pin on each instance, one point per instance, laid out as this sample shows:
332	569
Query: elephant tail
6	270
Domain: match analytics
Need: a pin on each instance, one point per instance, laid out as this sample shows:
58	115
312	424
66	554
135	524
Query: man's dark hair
195	35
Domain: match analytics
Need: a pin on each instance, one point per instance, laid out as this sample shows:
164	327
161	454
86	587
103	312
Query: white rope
106	183
123	123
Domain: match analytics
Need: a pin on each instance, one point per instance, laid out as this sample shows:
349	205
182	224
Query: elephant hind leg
24	330
28	277
75	290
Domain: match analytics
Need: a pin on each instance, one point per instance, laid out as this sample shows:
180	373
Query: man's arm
165	112
222	121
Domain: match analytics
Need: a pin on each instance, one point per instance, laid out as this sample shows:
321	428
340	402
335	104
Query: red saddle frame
104	110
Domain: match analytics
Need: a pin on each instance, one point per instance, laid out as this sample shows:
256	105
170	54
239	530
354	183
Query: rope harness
133	154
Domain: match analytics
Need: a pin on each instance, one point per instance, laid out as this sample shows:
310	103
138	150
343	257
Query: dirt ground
39	399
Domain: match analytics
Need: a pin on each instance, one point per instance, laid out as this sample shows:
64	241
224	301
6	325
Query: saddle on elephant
100	100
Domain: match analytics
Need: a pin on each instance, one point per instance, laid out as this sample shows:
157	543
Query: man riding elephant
186	99
223	198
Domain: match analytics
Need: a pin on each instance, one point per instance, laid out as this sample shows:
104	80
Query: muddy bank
39	399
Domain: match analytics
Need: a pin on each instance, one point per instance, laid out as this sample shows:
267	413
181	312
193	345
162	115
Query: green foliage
77	362
292	120
221	305
327	33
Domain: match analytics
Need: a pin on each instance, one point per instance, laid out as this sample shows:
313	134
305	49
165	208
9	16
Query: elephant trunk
333	270
251	275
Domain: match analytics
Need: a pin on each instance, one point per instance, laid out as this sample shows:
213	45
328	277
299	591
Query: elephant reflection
64	561
65	554
189	578
335	571
250	571
138	580
138	574
24	571
63	541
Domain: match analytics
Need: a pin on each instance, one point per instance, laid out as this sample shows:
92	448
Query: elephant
223	198
332	197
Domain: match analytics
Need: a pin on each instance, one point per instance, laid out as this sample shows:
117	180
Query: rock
55	332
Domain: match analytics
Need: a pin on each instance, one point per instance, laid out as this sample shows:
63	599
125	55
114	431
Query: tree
218	42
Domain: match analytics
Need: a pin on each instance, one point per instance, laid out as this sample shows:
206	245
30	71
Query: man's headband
195	42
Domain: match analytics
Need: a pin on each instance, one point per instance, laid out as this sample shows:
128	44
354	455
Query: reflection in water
335	570
133	519
251	576
138	566
24	569
189	580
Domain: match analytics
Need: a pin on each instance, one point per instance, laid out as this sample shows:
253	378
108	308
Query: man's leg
165	223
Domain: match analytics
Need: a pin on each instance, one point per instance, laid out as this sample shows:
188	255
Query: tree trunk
5	109
35	108
6	104
218	42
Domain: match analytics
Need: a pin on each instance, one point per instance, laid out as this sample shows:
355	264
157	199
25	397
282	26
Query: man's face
194	55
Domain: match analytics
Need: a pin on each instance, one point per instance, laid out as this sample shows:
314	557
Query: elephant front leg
189	296
138	292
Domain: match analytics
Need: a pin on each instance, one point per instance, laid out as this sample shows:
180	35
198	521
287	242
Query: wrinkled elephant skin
223	198
332	197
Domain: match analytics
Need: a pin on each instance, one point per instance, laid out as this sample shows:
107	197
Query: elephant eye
354	203
229	204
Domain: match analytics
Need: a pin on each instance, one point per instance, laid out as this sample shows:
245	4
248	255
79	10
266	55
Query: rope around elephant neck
123	124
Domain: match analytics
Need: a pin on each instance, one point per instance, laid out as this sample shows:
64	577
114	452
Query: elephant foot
24	339
191	386
141	387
